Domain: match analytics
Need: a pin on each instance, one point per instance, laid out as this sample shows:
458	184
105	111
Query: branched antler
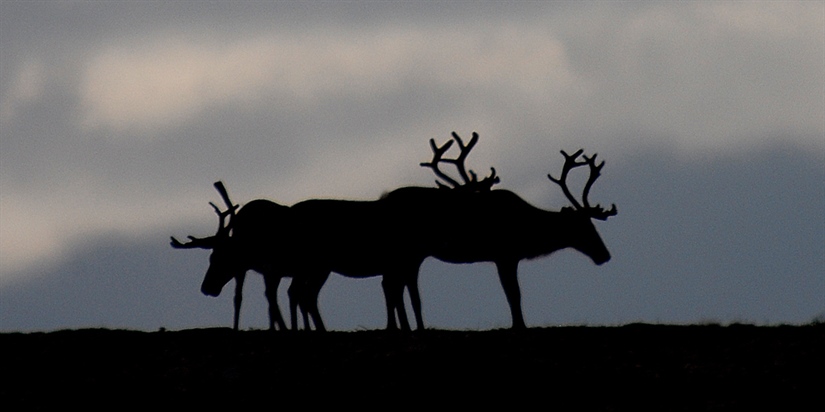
223	228
595	212
438	152
471	182
230	207
598	211
569	164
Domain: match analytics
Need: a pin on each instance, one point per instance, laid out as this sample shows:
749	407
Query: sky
117	117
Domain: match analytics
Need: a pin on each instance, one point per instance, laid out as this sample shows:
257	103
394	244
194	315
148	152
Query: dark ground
634	367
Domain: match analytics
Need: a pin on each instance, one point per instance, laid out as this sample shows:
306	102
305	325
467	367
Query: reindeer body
492	226
356	239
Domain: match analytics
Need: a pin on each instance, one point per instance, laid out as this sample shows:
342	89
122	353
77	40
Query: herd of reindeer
392	236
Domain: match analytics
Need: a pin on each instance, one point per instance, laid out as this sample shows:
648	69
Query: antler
595	212
598	211
194	242
438	152
470	178
569	164
223	228
230	207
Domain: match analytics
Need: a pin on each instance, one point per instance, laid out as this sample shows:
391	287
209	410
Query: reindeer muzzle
210	290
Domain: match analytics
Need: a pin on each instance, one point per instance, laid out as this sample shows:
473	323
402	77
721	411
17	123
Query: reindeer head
224	264
585	238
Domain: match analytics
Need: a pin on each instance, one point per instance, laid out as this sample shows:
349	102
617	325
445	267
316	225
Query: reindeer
498	226
233	255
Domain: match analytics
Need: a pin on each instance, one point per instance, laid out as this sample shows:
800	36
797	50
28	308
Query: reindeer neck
542	232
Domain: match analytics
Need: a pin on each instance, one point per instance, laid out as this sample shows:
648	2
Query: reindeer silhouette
392	236
233	255
498	226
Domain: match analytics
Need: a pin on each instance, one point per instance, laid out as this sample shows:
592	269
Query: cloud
26	87
171	79
27	238
773	19
166	82
704	75
42	226
708	76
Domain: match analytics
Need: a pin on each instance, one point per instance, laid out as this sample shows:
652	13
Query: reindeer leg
396	291
238	299
305	315
271	282
508	274
310	298
294	293
411	283
415	301
297	301
402	311
390	299
303	296
316	317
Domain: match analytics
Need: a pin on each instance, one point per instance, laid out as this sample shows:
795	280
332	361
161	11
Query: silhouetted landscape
661	367
574	206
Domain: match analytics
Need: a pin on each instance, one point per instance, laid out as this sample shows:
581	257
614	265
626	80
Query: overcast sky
116	117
